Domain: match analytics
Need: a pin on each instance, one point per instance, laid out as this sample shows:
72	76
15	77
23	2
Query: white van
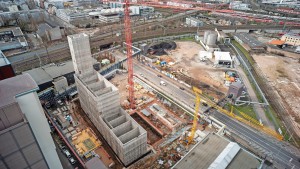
163	83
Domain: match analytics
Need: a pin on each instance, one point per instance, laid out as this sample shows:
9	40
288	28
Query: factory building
12	38
239	5
249	42
6	70
49	33
209	41
215	152
25	136
69	15
222	58
100	100
193	22
235	90
291	39
44	75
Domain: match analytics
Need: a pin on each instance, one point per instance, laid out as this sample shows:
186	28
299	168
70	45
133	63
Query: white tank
211	39
206	33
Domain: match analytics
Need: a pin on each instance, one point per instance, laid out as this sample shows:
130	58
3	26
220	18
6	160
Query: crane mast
195	121
128	40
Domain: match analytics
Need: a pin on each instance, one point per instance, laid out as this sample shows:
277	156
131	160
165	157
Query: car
141	74
159	75
67	153
72	160
163	83
62	147
181	88
204	104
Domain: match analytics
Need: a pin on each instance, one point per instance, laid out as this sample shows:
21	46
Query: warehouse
222	59
12	38
44	76
216	152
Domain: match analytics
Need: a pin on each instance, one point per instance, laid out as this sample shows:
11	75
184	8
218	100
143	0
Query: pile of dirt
159	48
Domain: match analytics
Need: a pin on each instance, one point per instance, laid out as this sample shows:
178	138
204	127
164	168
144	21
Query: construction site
156	133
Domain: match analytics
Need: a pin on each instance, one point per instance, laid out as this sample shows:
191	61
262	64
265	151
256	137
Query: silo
206	33
211	39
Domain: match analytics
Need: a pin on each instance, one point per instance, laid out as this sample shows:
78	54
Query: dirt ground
284	74
118	80
186	58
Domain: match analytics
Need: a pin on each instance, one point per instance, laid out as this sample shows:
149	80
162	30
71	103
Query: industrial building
71	15
215	152
223	58
25	136
193	22
110	15
49	33
6	70
291	39
291	3
209	41
44	75
235	90
12	38
249	42
100	100
239	5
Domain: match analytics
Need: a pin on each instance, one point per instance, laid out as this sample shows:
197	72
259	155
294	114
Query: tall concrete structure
25	140
100	100
81	52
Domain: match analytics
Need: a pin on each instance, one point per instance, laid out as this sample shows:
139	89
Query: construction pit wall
100	100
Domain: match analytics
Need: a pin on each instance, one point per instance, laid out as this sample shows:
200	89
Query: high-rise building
100	100
25	139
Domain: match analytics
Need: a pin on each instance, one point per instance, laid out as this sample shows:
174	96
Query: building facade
25	136
291	39
6	70
100	100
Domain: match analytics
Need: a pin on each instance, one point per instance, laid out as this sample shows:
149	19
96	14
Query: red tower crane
128	40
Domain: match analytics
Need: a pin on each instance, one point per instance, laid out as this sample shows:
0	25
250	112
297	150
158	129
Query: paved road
281	152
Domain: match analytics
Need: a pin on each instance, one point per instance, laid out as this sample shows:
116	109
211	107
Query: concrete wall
101	102
81	53
31	107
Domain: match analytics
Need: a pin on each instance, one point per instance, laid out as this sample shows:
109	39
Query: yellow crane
195	121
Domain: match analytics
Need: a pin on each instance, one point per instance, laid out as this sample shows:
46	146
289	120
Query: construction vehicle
195	121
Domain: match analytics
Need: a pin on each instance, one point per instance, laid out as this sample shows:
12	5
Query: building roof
95	163
3	60
212	148
222	55
51	71
145	112
276	42
15	30
18	85
248	39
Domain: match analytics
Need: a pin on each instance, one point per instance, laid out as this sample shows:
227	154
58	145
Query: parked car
141	74
72	160
181	88
67	153
159	75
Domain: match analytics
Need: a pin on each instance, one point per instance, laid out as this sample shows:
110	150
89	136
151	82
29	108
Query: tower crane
128	40
195	121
